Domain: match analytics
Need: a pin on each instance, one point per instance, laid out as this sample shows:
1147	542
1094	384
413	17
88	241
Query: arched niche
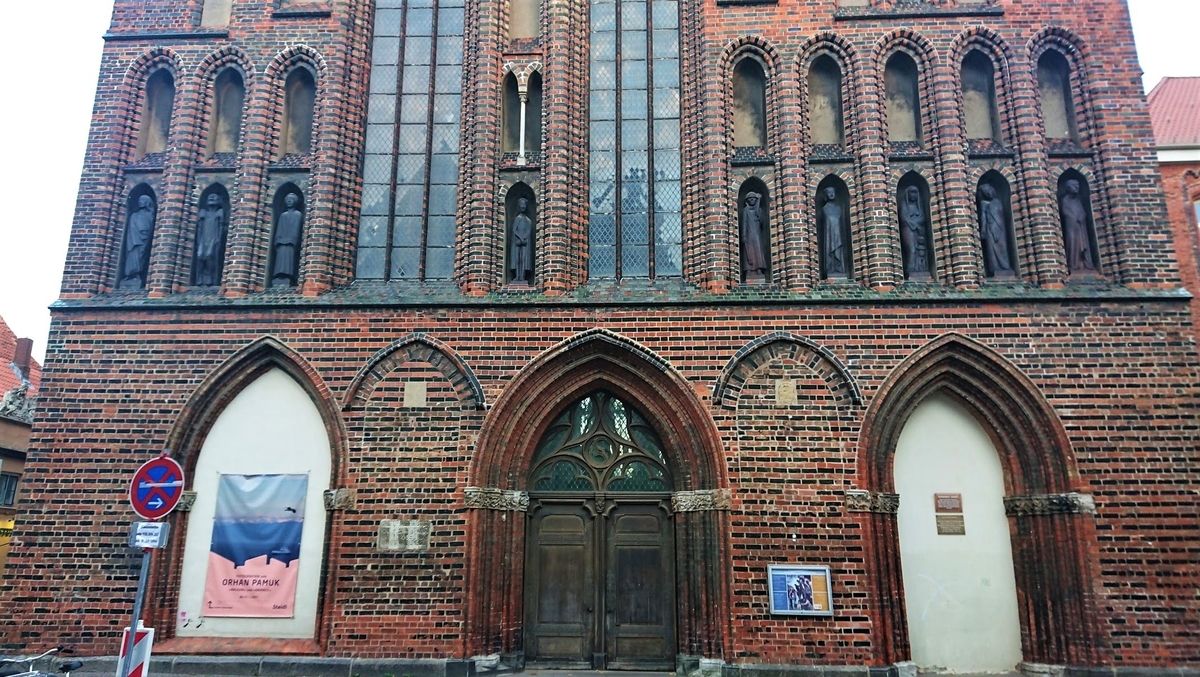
156	113
832	205
980	111
270	428
299	98
1078	224
916	232
825	120
514	231
212	228
524	19
1058	103
944	452
225	119
901	87
141	209
998	240
533	113
754	228
510	113
749	104
287	236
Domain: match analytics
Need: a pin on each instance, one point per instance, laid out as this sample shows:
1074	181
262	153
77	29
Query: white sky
49	79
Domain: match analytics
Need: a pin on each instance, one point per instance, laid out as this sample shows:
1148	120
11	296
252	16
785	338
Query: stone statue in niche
210	240
287	243
139	231
835	243
1074	217
754	266
520	251
993	232
914	241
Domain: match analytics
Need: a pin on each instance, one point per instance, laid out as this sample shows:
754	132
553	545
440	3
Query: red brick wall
1181	185
1112	371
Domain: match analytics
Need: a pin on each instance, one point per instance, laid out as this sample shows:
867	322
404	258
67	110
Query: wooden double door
600	583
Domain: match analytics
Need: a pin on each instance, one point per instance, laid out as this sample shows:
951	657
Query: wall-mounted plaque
785	391
798	590
414	394
947	503
951	525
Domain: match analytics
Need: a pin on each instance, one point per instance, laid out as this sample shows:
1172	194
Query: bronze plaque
947	503
951	525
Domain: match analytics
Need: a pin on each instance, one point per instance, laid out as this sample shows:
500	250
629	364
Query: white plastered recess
959	591
271	427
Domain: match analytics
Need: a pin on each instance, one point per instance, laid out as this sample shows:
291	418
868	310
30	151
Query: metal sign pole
137	613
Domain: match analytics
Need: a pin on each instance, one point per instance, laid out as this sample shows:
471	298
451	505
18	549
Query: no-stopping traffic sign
156	488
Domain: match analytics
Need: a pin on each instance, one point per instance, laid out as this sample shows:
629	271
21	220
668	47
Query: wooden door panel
561	588
640	589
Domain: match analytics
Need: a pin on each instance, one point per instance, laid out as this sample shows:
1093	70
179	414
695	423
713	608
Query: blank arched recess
980	111
416	348
825	114
156	113
900	78
785	345
191	429
749	104
299	100
225	119
1057	620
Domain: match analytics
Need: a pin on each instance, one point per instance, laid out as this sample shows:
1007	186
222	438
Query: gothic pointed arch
782	344
241	369
187	437
596	360
1050	548
416	347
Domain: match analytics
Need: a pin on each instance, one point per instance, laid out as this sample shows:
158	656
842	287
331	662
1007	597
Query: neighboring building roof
10	375
1175	112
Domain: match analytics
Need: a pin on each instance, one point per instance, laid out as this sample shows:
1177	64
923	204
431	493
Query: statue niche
1075	213
519	208
755	231
289	233
139	233
915	237
833	232
212	225
995	226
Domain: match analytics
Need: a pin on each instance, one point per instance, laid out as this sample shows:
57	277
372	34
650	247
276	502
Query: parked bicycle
26	666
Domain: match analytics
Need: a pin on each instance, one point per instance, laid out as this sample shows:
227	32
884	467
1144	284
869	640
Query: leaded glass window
635	202
410	171
600	444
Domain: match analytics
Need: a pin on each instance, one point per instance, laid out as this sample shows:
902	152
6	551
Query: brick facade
1087	383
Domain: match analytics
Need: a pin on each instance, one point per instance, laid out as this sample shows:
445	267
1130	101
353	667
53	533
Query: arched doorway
693	539
600	574
955	548
1048	520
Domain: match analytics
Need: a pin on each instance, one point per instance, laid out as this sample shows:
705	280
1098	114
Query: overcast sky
49	81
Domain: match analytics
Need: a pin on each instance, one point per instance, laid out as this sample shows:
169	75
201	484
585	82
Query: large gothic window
635	228
600	444
410	172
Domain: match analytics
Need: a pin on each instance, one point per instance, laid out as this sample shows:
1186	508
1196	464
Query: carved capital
339	499
859	500
186	501
488	498
1050	504
704	499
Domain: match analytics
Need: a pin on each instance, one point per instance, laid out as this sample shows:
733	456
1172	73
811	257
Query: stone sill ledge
914	12
166	35
415	295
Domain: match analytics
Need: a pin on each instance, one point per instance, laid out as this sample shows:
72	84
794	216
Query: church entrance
599	574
